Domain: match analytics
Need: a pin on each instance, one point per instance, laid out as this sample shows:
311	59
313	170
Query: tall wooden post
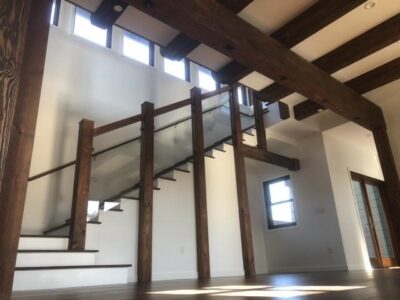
241	184
145	234
259	122
80	198
391	184
22	83
199	180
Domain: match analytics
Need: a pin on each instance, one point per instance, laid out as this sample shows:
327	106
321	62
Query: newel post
77	231
199	181
145	233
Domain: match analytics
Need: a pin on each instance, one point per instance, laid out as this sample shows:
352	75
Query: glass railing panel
116	166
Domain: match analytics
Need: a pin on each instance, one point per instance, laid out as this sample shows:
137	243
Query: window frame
139	39
56	14
268	204
202	69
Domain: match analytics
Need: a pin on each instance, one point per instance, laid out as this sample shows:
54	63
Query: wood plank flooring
381	284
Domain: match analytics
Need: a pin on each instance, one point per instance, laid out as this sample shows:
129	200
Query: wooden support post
145	234
259	122
241	184
391	185
199	180
20	88
80	198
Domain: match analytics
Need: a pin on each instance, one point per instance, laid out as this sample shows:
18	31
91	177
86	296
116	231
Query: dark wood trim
295	31
260	126
116	125
292	164
384	34
199	183
241	186
71	267
43	236
58	251
223	31
145	232
366	82
284	111
77	231
24	34
391	186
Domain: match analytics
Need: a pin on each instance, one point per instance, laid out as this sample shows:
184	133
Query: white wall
315	244
343	157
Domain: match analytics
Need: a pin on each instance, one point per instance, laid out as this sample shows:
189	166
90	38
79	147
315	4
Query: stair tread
71	267
55	251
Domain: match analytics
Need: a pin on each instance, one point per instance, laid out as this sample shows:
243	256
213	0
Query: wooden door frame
364	179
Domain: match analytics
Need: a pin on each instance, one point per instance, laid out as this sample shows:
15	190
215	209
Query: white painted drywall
315	244
344	156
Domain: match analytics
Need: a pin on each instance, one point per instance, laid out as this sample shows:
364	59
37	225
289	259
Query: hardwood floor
381	284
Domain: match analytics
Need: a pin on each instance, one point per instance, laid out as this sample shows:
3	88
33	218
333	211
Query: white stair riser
37	243
63	278
55	259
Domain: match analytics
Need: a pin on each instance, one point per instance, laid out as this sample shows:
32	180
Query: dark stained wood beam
391	185
182	44
365	44
260	126
145	231
199	181
301	27
23	45
241	187
364	83
212	24
80	198
108	13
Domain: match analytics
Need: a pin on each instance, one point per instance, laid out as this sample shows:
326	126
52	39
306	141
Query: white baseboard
301	269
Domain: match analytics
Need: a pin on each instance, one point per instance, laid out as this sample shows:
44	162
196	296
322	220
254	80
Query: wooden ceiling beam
210	23
182	44
108	13
364	83
363	45
301	27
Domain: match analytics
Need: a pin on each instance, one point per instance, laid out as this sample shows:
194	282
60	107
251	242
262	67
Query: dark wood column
21	130
199	180
145	234
80	198
241	184
259	122
392	185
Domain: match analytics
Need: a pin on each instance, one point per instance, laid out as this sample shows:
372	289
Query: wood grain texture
200	189
379	37
13	23
145	231
80	196
260	127
295	31
391	185
182	44
24	92
223	31
362	84
241	187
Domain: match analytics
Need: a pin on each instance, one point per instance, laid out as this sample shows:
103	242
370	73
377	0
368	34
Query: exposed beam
364	83
212	24
108	13
241	186
24	33
145	231
199	182
260	127
182	44
301	27
363	45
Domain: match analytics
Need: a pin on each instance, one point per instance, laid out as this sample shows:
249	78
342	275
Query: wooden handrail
116	125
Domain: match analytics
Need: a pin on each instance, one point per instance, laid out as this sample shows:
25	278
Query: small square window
206	81
84	28
175	68
136	48
279	202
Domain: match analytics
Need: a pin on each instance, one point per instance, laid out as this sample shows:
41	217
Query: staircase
44	261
